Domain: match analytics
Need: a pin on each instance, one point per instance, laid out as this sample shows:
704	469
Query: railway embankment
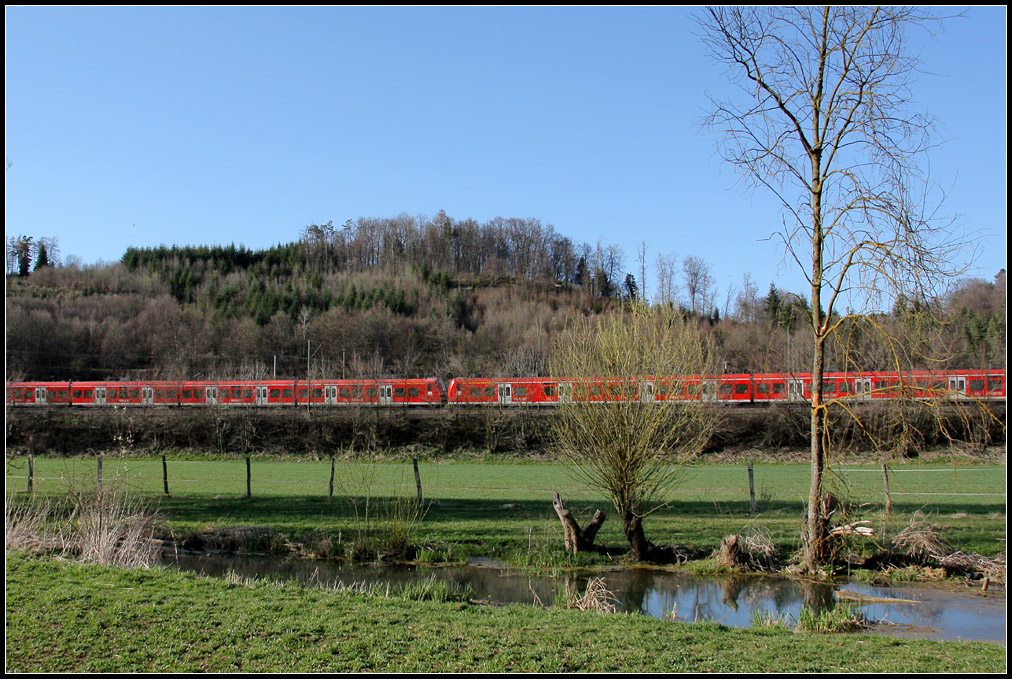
480	431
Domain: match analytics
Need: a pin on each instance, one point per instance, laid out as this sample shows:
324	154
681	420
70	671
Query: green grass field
483	508
68	617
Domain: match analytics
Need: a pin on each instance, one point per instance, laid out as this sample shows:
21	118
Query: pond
913	610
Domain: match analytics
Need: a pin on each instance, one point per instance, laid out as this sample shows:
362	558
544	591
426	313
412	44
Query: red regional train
740	389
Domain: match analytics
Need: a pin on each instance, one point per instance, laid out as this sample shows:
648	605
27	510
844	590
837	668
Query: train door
565	393
646	392
957	385
862	388
505	393
40	396
795	390
211	393
708	390
147	395
330	395
386	394
261	396
100	396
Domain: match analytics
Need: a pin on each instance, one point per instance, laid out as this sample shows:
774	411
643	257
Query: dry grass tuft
114	529
597	597
25	524
107	528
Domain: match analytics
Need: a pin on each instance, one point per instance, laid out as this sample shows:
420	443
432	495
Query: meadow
484	509
73	617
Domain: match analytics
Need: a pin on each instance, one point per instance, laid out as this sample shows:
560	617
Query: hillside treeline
433	297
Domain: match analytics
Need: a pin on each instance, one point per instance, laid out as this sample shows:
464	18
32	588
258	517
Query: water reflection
730	600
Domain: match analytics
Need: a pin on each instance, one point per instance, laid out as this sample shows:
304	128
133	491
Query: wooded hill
433	297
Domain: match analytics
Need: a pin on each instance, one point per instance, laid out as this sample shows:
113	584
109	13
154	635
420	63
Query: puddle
909	610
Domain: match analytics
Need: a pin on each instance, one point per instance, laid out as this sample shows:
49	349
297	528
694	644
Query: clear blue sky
143	126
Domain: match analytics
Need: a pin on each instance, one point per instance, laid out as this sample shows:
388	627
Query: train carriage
734	389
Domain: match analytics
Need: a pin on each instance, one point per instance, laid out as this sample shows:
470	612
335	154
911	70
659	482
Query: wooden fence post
889	500
99	474
418	480
31	474
165	475
330	494
249	492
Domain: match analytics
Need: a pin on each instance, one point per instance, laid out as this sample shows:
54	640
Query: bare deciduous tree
630	448
696	274
822	119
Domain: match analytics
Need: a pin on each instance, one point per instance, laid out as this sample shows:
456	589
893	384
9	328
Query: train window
286	393
135	393
741	388
236	392
77	393
160	393
994	385
356	392
828	386
88	393
519	391
762	388
844	388
317	393
778	387
170	394
247	392
725	389
549	390
303	393
274	393
399	391
614	389
187	393
413	392
344	392
488	391
475	392
372	392
976	385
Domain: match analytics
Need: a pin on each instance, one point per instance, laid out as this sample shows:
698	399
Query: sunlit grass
491	509
69	617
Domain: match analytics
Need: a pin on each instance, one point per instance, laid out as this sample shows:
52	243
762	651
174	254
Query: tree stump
729	555
577	540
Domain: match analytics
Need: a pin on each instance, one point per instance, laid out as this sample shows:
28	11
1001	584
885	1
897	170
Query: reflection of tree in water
635	589
818	597
732	589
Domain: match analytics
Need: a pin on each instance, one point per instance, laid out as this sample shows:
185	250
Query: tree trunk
639	545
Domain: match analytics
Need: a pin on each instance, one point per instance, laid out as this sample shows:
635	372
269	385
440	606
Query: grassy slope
69	617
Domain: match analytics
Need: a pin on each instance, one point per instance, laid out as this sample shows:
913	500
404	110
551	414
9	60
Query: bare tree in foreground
821	119
631	449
